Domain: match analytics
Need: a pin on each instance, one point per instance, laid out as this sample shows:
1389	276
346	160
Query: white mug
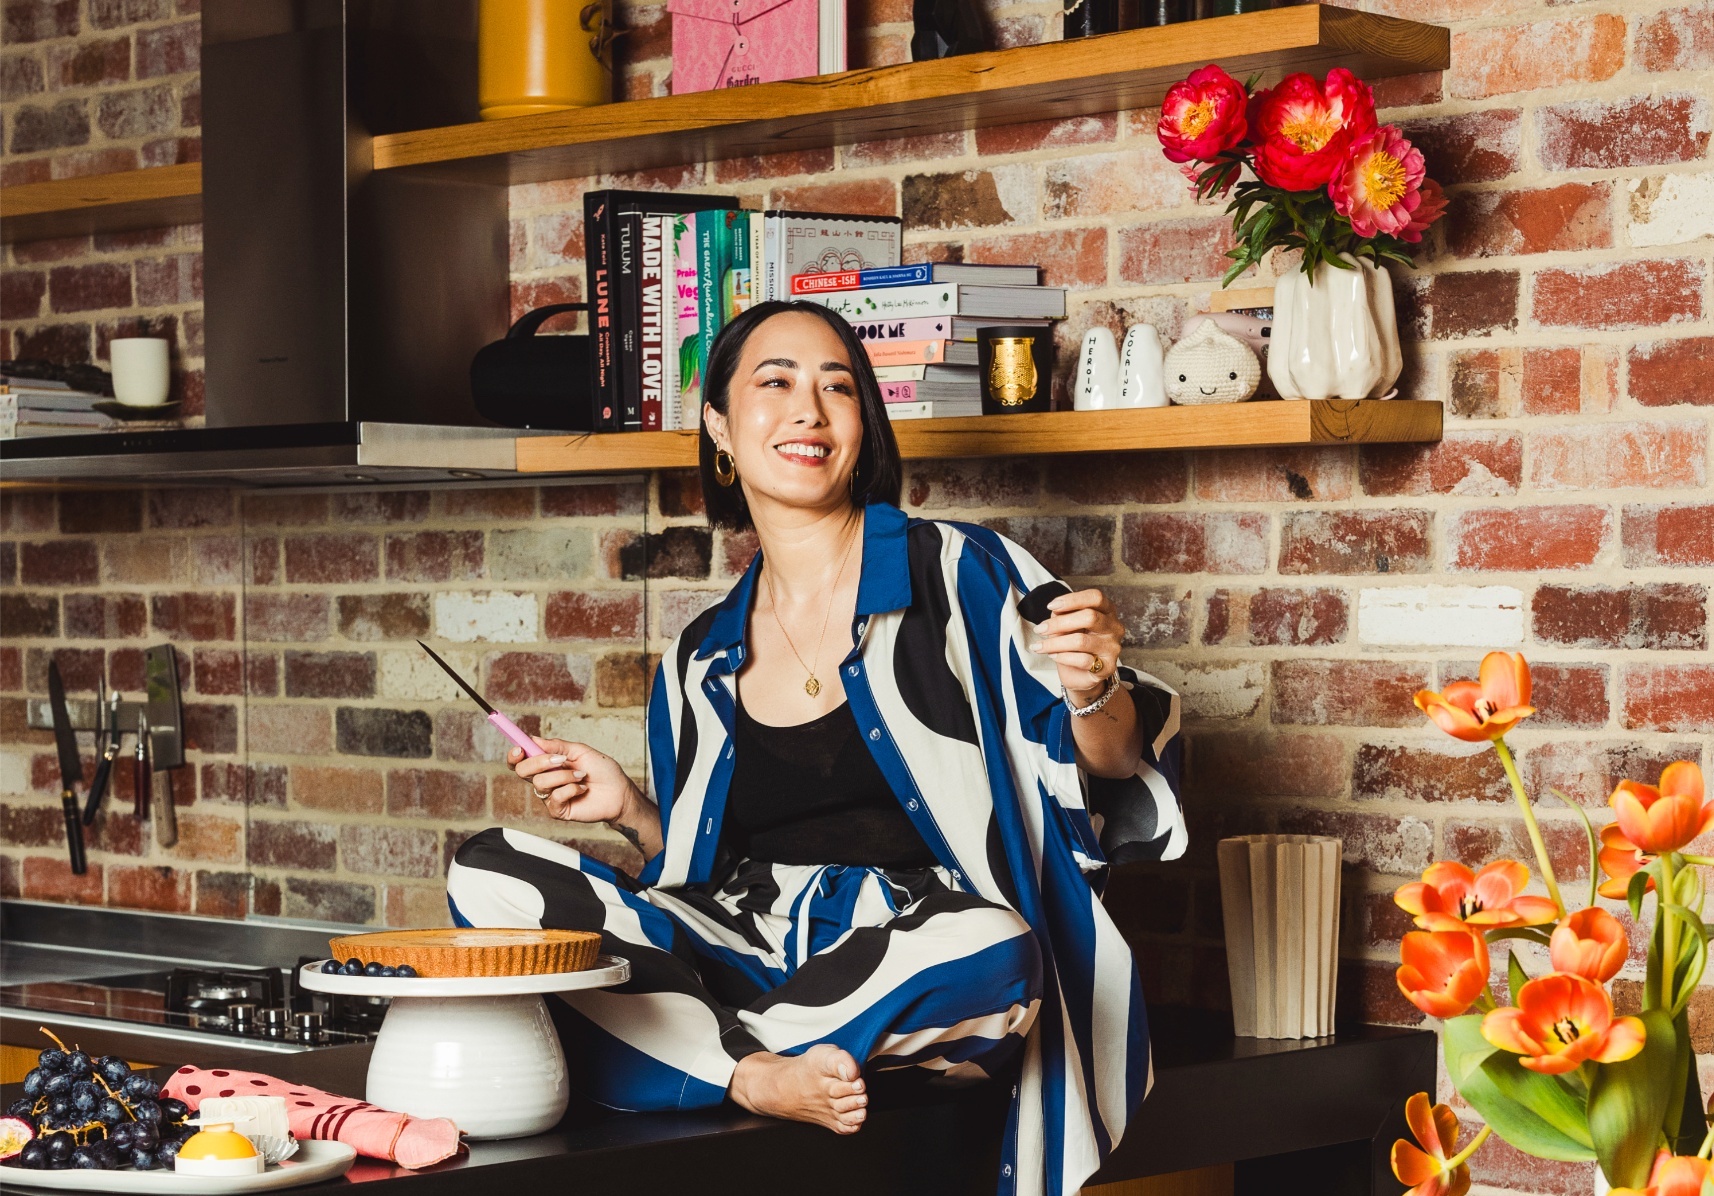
141	374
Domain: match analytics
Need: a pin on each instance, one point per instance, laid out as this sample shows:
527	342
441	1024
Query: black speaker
530	381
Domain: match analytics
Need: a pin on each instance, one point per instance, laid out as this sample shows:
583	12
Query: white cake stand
480	1050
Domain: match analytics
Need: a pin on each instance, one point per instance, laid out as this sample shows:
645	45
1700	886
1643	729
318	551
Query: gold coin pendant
812	687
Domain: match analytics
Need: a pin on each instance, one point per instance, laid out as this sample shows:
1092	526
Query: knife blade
98	787
71	768
140	770
166	733
506	726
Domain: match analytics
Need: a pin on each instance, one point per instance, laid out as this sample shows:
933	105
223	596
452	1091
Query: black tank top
812	794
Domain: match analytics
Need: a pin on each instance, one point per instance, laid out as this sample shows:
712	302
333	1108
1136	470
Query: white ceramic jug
1140	363
1097	372
1336	336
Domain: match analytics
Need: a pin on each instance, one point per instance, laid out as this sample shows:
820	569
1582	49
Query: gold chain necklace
812	686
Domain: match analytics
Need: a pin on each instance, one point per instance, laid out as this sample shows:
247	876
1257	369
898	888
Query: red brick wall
1297	597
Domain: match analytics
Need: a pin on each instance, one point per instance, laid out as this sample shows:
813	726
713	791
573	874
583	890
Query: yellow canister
543	56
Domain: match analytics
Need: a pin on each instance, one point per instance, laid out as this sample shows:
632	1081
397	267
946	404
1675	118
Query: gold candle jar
542	56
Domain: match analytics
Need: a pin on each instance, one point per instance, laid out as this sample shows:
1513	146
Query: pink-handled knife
507	727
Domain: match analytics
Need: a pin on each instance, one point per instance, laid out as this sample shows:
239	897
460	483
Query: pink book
733	43
898	392
689	325
905	352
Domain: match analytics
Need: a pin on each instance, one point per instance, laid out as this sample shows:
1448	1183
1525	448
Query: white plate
608	970
315	1161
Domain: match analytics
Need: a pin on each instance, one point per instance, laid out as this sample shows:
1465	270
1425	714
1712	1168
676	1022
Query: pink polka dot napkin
370	1130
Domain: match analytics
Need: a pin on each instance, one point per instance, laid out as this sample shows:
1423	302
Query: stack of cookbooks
666	272
919	324
51	407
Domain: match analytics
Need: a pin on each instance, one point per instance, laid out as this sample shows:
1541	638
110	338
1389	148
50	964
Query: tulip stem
1697	859
1668	935
1707	1148
1463	1156
1511	767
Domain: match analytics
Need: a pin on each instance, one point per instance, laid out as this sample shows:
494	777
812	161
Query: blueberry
407	971
353	967
372	969
52	1059
34	1156
143	1160
330	967
387	971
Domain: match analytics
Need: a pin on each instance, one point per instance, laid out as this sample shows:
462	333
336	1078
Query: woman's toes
845	1104
841	1088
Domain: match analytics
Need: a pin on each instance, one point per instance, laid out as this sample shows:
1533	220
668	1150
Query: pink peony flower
1202	116
1379	188
1303	129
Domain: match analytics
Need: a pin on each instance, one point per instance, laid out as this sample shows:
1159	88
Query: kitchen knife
507	727
107	740
166	733
140	770
71	767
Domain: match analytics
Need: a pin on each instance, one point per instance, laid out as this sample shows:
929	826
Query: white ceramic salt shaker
1140	368
1097	372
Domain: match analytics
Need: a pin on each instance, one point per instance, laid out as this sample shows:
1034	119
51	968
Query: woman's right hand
578	783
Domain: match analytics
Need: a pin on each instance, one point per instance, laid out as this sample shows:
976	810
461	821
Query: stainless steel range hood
341	307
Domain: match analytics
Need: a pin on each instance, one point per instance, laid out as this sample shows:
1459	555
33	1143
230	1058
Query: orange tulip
1483	709
1589	943
1443	971
1620	860
1673	1176
1451	897
1560	1021
1424	1167
1664	818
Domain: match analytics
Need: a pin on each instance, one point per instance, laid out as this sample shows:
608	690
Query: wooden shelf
102	203
1054	80
1227	425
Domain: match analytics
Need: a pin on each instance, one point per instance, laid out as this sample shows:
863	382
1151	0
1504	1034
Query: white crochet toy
1211	366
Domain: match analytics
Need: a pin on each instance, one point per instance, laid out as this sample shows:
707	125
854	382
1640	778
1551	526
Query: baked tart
474	951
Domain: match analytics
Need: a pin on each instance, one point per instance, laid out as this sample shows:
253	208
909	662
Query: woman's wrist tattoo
631	836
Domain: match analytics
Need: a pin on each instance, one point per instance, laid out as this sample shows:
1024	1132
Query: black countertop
1297	1116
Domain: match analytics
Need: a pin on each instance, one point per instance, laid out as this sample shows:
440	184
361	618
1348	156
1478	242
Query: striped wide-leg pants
899	968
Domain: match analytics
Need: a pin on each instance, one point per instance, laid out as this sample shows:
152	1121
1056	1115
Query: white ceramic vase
1335	336
1140	364
1097	386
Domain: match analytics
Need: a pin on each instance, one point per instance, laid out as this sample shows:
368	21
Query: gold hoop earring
854	471
725	468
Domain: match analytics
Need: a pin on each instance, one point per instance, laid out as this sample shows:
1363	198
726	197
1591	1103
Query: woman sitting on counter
881	848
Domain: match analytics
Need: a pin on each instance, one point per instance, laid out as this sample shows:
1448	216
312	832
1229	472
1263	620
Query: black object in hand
1033	605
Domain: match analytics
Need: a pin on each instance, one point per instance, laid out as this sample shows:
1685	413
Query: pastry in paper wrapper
262	1119
371	1131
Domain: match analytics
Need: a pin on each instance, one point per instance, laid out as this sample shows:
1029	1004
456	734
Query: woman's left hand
1083	637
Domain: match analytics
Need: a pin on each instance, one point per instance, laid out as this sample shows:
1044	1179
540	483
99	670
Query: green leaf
1534	1113
1516	977
1534	934
1594	850
1628	1103
1684	1123
1634	890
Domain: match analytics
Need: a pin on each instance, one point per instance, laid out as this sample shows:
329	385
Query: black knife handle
73	833
98	787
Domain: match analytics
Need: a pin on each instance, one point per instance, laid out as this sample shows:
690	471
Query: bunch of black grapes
96	1114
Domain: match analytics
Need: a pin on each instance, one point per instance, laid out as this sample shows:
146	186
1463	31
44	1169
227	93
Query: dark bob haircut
879	476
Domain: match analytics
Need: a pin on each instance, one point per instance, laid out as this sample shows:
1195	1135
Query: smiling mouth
1206	391
806	453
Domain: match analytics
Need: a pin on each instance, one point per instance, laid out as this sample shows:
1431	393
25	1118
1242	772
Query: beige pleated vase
1280	896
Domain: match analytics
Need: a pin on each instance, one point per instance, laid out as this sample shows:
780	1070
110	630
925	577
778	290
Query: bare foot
823	1086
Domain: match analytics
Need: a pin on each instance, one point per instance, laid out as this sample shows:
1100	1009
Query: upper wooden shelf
1225	425
102	203
1049	81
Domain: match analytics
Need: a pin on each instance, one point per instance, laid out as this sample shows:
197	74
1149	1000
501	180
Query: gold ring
1096	665
540	794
